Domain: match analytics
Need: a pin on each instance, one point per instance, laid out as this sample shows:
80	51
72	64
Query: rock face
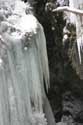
63	62
72	104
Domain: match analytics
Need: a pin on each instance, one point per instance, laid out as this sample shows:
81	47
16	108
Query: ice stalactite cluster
23	65
78	20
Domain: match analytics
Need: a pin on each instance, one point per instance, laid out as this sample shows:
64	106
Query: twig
66	8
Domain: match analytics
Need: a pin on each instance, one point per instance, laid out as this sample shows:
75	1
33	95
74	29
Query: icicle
79	48
43	56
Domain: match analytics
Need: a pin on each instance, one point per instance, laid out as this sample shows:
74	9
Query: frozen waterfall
23	65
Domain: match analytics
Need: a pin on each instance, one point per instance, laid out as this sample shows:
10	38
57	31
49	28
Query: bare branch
71	10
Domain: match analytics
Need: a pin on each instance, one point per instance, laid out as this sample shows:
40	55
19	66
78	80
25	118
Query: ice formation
23	65
78	20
